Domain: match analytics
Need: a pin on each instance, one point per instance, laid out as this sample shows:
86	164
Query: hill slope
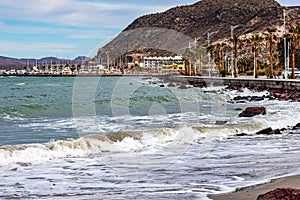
175	28
215	15
13	63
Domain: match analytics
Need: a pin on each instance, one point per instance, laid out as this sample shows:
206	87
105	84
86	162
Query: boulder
252	111
256	98
269	131
171	85
238	98
275	132
266	131
238	109
241	135
282	194
182	87
296	127
283	129
220	122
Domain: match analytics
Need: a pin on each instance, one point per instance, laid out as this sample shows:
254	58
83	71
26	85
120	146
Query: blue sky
68	28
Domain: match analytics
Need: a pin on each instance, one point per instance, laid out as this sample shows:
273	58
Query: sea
137	138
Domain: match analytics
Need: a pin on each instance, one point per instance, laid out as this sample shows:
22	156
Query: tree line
267	46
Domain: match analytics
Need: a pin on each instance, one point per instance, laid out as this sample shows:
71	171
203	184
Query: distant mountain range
175	28
9	63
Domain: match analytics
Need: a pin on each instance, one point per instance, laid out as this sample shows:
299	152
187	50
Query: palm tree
237	45
217	52
294	36
223	48
199	52
188	55
211	50
271	40
256	42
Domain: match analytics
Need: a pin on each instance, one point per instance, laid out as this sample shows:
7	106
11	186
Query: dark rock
275	132
252	111
296	127
162	85
238	98
199	85
182	87
240	102
238	109
171	85
256	98
266	131
283	129
269	131
220	122
281	194
241	134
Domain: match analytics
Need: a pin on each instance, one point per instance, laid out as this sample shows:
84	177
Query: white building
93	69
176	63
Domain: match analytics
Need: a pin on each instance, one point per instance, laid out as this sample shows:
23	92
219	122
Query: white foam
95	144
20	84
246	92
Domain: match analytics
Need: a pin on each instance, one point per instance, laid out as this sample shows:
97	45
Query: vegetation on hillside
263	60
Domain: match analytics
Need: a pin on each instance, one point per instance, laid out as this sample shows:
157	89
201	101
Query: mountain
15	63
81	59
215	15
6	61
175	28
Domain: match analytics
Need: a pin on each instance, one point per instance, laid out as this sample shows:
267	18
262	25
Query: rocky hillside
175	28
215	15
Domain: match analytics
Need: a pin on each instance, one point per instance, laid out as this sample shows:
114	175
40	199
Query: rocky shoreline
277	192
282	188
274	94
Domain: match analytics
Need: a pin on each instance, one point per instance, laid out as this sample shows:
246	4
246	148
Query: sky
71	28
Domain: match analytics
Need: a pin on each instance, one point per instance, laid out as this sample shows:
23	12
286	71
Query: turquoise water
40	109
31	107
135	138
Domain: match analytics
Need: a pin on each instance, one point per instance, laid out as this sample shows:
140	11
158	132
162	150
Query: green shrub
249	73
224	73
261	72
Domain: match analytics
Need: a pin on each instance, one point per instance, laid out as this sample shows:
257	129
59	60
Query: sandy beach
252	192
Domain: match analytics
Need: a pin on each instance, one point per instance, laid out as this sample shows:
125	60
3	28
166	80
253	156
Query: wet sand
252	192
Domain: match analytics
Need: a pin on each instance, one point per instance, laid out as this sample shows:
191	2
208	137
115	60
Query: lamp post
288	57
284	40
231	31
195	43
107	55
208	43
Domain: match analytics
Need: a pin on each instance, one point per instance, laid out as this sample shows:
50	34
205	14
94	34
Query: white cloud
45	47
66	32
75	12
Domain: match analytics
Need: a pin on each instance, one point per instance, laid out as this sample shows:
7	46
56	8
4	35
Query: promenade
242	81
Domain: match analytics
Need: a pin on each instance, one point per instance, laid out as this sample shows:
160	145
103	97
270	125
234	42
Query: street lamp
107	55
285	13
195	42
195	67
208	42
231	30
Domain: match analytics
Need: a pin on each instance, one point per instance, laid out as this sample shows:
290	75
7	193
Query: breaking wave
147	142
